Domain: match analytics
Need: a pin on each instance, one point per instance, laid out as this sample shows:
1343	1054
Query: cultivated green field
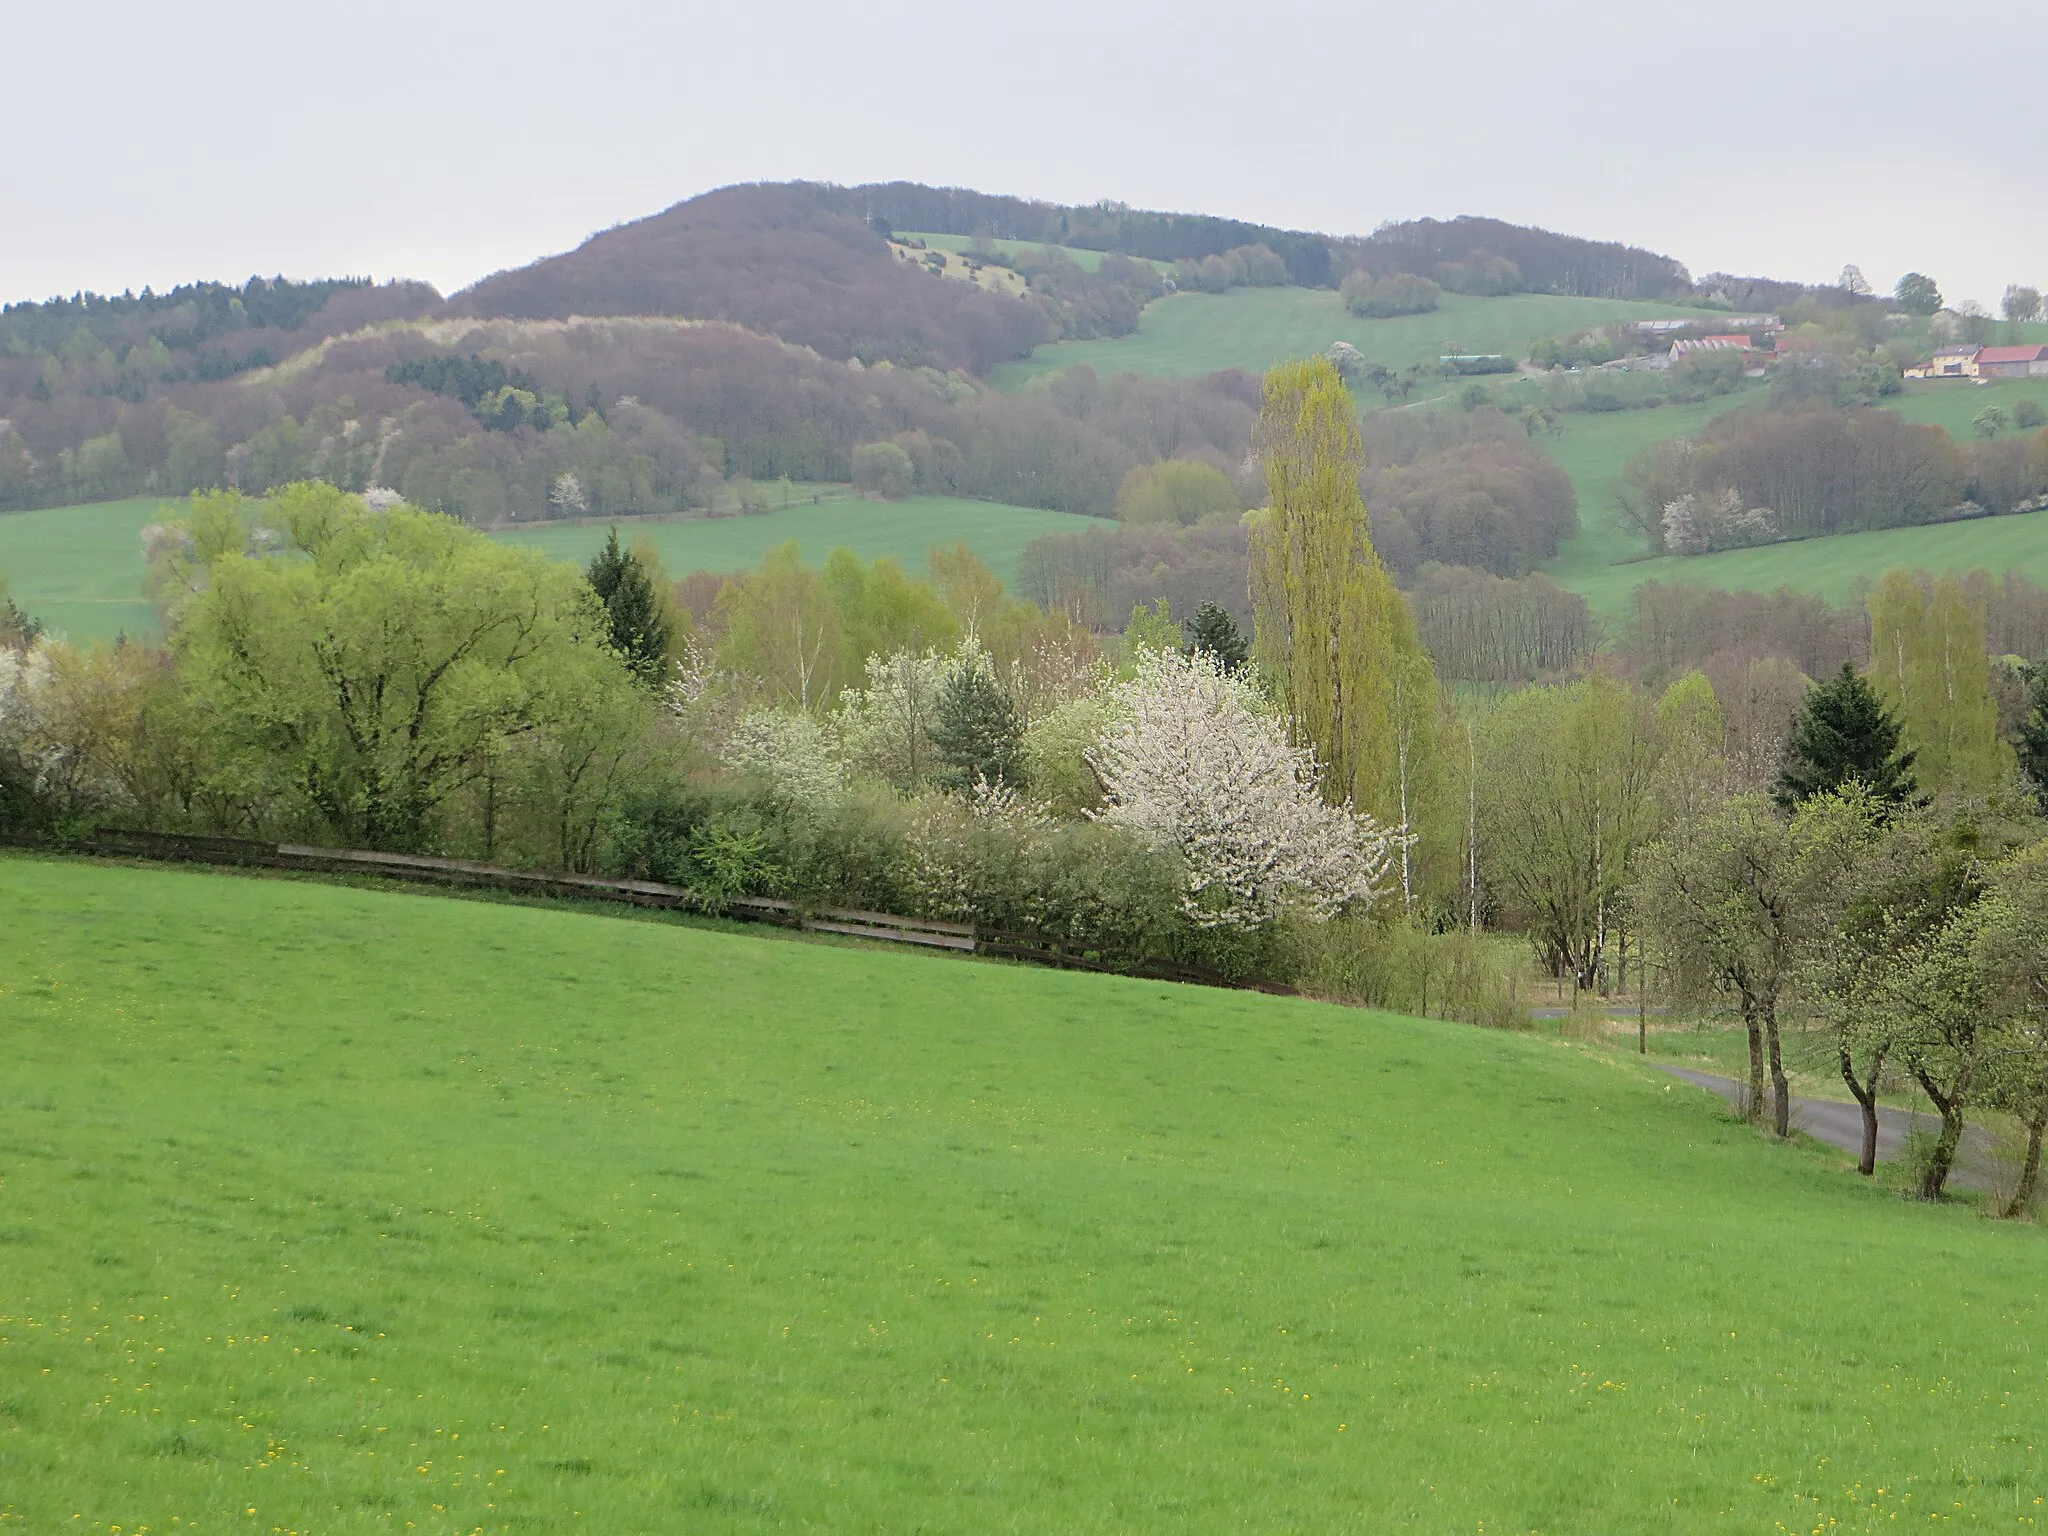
80	569
905	529
337	1210
1189	334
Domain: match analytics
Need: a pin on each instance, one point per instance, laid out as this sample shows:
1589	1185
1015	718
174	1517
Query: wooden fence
886	927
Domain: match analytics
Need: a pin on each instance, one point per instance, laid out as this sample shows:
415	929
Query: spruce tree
1213	630
1845	733
2033	740
634	617
975	732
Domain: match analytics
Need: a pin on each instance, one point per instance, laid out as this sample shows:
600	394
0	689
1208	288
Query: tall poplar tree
1330	627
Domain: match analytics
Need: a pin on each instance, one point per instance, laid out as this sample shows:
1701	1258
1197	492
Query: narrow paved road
1841	1125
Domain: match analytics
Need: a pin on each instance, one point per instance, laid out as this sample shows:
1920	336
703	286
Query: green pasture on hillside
1087	260
1827	567
80	569
1954	403
1188	334
906	529
341	1210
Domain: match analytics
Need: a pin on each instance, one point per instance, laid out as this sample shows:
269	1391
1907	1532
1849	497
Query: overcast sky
426	138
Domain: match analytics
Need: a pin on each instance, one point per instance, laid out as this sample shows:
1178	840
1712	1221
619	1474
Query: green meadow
80	569
1188	334
346	1210
1827	567
871	529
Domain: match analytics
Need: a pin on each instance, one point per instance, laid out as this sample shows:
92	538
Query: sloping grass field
339	1210
906	529
80	569
1188	334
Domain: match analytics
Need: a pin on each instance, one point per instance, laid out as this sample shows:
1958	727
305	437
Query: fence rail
886	927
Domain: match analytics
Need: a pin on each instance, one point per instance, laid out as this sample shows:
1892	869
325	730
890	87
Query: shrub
884	470
1399	293
1472	978
1174	491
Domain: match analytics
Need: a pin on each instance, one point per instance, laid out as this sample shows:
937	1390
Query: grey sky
154	144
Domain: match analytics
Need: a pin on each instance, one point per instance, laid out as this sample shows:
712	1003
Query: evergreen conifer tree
635	616
2033	740
975	732
1214	631
1846	733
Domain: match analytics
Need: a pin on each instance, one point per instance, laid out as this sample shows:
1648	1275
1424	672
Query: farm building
1726	343
2012	362
1954	362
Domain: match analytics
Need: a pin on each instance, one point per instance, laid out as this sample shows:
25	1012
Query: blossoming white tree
1194	764
789	752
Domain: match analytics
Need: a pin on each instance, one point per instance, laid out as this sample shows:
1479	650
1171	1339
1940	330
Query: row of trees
1752	476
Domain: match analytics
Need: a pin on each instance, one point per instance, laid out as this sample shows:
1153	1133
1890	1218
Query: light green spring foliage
382	664
1152	627
1174	491
1571	782
1927	660
1695	772
1330	625
1055	1252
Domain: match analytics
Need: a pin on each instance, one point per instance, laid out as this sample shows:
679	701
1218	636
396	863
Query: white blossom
381	498
1193	764
567	497
790	753
886	726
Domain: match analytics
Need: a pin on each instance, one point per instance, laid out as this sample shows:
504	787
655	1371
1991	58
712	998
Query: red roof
2010	355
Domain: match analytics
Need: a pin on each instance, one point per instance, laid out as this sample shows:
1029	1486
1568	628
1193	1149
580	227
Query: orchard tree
1194	764
2011	956
2021	303
1729	901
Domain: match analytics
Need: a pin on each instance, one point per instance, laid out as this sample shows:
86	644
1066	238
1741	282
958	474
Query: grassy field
1189	334
1827	566
339	1210
80	569
906	529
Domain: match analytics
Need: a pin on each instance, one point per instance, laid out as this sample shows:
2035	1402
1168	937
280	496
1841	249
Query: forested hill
791	260
807	262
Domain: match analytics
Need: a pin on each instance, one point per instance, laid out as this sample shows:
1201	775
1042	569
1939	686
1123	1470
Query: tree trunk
1935	1180
1754	1109
2030	1171
1781	1091
1866	1100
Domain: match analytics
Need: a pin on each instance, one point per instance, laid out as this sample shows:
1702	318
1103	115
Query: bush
2028	415
1471	978
1400	293
1174	491
884	470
